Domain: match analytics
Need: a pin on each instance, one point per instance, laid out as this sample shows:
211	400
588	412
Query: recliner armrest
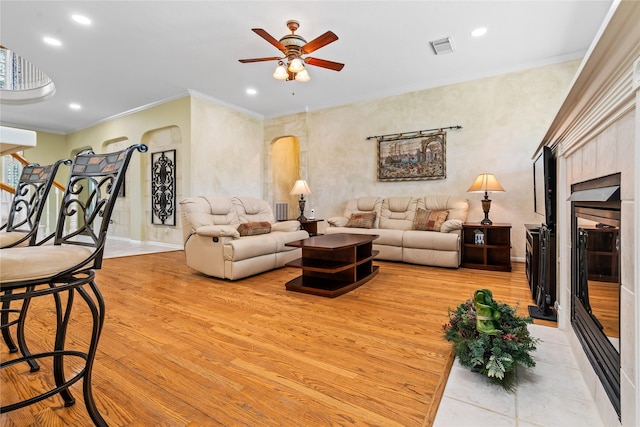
338	221
451	225
218	231
292	225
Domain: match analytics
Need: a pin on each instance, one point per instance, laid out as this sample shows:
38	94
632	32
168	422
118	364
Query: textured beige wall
503	119
226	151
132	128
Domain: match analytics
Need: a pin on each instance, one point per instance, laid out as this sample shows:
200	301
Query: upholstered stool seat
17	238
39	262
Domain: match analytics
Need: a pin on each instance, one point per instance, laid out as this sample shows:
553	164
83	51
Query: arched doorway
285	169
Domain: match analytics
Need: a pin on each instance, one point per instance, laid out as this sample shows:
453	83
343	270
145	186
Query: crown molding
603	89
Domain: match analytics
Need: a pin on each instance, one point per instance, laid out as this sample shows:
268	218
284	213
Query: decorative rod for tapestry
409	135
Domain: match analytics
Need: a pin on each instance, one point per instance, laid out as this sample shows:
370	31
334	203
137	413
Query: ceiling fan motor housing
293	42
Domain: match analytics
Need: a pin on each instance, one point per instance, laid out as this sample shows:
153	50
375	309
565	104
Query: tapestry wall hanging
163	188
413	158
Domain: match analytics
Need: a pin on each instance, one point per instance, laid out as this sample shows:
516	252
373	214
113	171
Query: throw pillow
254	228
429	220
361	220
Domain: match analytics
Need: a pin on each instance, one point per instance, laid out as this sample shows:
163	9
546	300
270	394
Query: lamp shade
485	182
296	65
281	73
303	76
300	187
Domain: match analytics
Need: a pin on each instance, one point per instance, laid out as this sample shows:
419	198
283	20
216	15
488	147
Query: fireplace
595	277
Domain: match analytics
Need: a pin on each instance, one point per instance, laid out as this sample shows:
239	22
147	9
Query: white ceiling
137	53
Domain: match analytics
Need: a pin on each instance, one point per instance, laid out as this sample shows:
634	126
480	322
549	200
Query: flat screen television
544	187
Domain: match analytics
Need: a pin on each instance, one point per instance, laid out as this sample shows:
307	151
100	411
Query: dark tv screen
544	183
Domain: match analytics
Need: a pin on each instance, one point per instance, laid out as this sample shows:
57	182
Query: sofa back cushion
222	210
364	205
250	209
193	214
458	208
206	211
398	213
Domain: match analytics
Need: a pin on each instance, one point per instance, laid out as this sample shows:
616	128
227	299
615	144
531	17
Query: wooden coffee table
333	264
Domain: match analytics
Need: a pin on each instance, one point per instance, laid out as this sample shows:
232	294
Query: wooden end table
310	226
333	264
492	251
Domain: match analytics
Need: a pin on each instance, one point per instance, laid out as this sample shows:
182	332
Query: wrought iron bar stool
21	229
28	204
68	267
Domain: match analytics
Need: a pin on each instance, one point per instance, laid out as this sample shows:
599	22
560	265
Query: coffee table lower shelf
327	287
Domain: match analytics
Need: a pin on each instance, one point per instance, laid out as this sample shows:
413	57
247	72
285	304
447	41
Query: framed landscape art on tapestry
413	158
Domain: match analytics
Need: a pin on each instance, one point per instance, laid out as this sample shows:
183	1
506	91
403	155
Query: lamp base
486	206
301	204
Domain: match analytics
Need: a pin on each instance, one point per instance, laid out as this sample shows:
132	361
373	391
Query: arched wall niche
285	158
121	216
284	130
161	139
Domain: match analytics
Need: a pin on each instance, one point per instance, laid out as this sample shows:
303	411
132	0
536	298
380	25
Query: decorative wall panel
163	188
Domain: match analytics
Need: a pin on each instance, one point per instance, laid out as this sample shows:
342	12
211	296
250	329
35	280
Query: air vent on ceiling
442	46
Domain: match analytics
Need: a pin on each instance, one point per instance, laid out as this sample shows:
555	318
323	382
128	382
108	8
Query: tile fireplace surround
596	133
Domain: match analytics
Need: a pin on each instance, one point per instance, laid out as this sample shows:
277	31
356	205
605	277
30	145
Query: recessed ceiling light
81	19
52	41
251	91
75	106
479	32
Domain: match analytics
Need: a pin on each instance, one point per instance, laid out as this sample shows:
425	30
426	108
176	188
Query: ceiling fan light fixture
281	72
296	65
303	76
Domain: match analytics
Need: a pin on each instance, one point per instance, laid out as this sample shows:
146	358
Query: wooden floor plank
182	349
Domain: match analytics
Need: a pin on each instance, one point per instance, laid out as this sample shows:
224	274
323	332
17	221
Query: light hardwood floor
182	349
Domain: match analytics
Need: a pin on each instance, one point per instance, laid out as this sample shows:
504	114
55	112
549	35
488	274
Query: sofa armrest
451	225
292	225
218	231
338	221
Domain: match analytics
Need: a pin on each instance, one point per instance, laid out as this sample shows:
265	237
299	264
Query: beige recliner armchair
233	238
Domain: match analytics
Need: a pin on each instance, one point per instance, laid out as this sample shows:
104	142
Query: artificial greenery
490	338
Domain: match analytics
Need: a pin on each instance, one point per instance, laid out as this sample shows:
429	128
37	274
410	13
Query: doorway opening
285	170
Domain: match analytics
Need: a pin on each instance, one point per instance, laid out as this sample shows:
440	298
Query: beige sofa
395	222
213	244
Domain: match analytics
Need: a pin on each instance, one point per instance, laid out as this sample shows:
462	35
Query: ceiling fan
294	46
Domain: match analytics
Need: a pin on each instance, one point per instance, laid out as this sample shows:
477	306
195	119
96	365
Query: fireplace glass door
599	284
595	278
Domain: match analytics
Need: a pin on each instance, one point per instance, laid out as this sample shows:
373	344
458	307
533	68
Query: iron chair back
89	199
29	201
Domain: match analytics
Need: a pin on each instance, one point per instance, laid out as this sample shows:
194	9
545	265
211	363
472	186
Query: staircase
11	167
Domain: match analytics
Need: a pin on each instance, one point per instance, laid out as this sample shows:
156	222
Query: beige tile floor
550	394
116	247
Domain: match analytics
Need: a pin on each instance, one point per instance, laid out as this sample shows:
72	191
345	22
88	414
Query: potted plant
490	338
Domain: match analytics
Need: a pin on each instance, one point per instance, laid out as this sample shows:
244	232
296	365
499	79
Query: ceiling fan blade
271	58
336	66
317	43
268	37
